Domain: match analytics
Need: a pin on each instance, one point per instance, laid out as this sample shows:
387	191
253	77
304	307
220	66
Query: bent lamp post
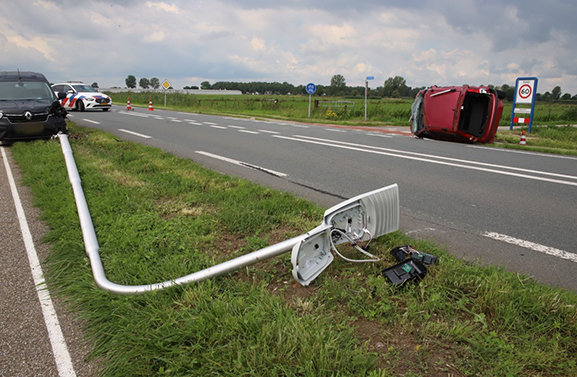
363	217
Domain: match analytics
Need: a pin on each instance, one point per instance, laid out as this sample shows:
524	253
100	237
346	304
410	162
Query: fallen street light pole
362	215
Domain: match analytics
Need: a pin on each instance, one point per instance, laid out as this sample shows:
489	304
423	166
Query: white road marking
91	121
237	127
240	163
135	133
269	132
249	132
59	347
429	158
219	127
532	246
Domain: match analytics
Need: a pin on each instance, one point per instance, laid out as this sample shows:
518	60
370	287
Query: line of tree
144	83
393	87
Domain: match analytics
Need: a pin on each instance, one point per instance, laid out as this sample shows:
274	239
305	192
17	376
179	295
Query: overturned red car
467	114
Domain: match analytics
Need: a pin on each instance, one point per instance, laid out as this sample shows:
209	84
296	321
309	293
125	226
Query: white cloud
163	6
441	42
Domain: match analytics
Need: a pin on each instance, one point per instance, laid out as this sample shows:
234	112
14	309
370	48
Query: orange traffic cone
150	105
523	140
128	105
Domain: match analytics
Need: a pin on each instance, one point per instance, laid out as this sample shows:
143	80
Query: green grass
546	139
295	108
159	217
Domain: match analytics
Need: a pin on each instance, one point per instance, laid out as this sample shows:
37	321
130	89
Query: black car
29	109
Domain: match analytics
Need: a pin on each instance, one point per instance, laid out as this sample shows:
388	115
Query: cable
354	243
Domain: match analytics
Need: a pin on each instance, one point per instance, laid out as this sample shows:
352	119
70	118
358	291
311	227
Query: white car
82	97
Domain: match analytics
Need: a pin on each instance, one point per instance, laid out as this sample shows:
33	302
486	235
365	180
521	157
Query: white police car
82	97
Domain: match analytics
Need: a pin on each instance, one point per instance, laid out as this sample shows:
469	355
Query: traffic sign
370	77
525	90
166	85
311	88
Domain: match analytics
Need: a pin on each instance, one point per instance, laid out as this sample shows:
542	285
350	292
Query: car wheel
80	105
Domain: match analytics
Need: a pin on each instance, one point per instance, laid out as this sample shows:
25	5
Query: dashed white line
59	347
219	127
249	132
238	127
240	163
135	133
532	246
269	132
91	121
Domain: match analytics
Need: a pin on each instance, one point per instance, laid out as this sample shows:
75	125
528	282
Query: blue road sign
370	77
311	88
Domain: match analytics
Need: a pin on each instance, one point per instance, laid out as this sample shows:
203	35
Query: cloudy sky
443	42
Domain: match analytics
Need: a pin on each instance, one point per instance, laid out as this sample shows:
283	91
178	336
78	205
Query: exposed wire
355	243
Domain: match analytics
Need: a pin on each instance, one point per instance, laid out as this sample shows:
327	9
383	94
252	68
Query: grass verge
159	217
545	139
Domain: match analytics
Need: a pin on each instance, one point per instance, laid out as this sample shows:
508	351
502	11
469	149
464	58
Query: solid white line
240	163
532	246
91	121
379	135
426	158
135	133
59	348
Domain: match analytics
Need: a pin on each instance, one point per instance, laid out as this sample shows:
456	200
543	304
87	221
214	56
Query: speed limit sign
525	91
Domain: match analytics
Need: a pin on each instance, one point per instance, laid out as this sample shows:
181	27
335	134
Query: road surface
511	208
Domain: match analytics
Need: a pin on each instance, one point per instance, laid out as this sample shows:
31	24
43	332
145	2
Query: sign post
311	88
165	86
525	93
367	92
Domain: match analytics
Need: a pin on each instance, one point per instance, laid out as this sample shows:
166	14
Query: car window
25	90
57	88
83	88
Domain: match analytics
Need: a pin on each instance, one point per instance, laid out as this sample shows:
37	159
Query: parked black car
29	109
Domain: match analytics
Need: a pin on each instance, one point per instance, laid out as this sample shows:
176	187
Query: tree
144	83
94	85
556	93
205	85
155	82
338	84
396	87
130	82
566	96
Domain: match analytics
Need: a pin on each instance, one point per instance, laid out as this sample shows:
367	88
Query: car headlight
1	114
89	99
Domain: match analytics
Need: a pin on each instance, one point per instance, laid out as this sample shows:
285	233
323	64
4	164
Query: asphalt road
511	208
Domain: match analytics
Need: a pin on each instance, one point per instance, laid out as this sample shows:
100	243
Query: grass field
159	217
380	111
